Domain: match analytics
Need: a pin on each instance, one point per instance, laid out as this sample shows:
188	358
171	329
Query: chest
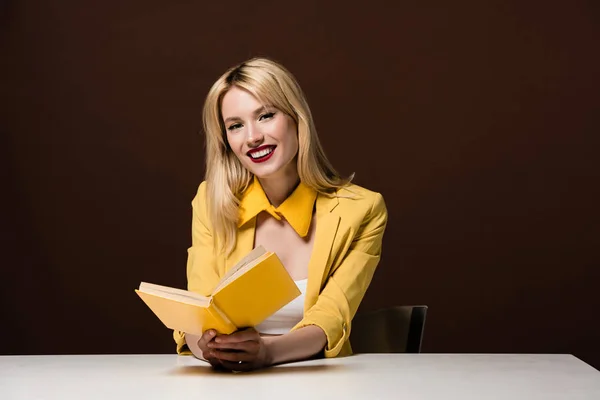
281	238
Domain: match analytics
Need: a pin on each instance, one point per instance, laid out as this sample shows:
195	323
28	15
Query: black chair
396	329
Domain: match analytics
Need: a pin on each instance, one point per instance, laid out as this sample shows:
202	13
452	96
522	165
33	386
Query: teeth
262	153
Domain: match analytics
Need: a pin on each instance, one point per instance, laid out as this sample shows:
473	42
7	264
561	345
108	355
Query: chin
262	171
273	169
263	174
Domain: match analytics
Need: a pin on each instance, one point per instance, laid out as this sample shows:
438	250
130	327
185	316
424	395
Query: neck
280	187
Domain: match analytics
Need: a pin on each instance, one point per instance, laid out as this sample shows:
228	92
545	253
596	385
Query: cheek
293	139
289	134
236	148
293	146
233	142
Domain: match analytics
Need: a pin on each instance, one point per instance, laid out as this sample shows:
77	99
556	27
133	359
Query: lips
261	154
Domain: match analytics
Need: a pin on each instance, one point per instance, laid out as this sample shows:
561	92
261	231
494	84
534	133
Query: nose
255	136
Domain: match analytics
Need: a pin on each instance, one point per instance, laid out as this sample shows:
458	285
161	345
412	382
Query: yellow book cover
259	292
255	288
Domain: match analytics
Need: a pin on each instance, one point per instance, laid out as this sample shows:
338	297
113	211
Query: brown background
478	121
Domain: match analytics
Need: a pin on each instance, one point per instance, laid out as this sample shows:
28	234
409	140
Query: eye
268	115
234	127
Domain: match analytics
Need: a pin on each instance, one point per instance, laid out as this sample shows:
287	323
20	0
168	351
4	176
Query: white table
368	376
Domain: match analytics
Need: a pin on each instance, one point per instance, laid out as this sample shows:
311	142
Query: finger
239	336
210	357
236	366
217	365
206	338
215	362
248	346
232	356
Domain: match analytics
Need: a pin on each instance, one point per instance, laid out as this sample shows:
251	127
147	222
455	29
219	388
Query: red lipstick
261	149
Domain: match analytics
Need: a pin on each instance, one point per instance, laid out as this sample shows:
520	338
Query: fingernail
211	333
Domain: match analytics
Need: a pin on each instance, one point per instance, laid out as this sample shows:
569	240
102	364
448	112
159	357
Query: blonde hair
226	177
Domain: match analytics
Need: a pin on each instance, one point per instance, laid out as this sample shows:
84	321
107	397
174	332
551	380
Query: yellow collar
297	209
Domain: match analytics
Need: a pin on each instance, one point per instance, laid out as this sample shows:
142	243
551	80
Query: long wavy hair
226	177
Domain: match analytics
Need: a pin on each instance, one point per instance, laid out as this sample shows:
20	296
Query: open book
256	287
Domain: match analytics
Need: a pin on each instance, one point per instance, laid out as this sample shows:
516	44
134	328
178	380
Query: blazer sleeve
346	285
202	274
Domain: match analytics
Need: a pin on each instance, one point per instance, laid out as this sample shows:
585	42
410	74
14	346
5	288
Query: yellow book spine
219	321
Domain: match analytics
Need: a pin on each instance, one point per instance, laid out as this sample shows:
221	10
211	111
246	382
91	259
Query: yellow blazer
347	249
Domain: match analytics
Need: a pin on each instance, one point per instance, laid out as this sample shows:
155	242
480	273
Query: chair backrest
396	329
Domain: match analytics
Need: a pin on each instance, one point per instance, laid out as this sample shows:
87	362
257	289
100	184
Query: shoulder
359	205
356	196
199	200
202	188
200	195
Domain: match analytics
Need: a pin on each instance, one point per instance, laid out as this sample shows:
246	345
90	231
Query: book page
184	316
167	292
252	256
241	270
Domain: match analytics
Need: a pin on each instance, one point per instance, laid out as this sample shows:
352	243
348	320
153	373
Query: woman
269	183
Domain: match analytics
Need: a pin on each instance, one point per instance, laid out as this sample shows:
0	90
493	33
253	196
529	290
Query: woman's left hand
243	350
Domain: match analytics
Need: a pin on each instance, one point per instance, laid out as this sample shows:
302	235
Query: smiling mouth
261	154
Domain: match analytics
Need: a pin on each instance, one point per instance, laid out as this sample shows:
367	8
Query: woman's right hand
199	347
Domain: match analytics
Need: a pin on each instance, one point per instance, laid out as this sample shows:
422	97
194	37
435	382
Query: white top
367	376
286	317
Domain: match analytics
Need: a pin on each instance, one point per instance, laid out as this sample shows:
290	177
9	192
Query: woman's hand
199	347
243	350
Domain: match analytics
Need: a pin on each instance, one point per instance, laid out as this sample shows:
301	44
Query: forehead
238	102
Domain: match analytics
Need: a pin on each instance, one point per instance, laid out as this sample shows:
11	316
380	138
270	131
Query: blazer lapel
327	226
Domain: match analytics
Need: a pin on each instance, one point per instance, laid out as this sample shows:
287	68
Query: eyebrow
256	112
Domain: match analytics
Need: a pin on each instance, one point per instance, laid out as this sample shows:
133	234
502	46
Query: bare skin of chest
280	238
